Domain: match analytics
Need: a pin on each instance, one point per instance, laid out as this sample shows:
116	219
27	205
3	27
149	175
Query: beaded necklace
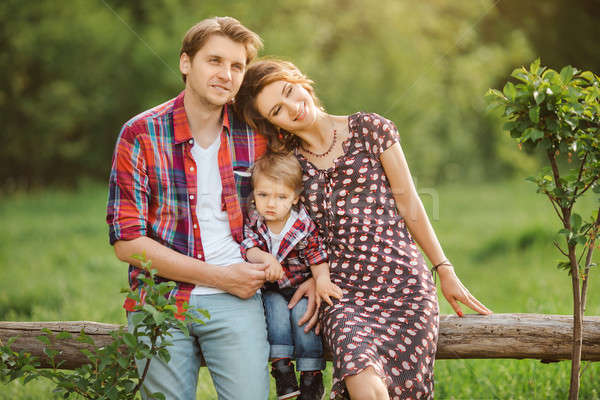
328	150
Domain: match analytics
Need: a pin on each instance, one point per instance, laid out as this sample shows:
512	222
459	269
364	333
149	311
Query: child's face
273	200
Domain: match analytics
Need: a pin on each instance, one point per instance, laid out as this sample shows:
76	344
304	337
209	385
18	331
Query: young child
280	233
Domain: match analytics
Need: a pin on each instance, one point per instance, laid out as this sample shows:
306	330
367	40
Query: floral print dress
388	316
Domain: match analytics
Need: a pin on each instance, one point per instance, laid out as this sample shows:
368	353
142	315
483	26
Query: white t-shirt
219	246
276	238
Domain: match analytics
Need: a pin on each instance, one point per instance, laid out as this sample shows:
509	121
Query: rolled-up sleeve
314	253
128	197
251	239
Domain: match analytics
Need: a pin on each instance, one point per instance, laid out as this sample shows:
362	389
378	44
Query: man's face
215	74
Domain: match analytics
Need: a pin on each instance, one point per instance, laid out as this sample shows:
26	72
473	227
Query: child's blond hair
281	168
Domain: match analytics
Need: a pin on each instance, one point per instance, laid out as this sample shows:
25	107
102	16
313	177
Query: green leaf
495	94
563	265
83	338
534	114
164	355
87	353
520	74
51	353
509	126
539	96
572	122
148	308
576	222
549	74
44	339
159	317
185	330
533	134
123	362
510	91
589	76
137	318
566	74
158	396
64	335
534	67
577	108
129	339
203	312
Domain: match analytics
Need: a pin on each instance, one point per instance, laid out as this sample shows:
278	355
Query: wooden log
535	336
27	333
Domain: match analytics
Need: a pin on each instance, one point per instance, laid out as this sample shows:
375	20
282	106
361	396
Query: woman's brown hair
258	75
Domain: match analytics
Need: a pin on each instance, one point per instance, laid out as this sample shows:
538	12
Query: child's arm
251	252
325	288
274	271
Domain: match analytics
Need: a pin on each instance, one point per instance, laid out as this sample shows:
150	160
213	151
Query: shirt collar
180	121
300	227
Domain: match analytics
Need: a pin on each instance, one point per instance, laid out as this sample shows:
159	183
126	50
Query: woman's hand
454	291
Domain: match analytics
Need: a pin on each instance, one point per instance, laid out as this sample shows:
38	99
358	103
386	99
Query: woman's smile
302	113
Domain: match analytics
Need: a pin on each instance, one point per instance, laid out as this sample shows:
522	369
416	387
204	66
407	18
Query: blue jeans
287	339
233	343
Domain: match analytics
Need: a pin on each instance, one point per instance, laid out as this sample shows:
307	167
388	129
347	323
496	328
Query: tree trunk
537	336
577	326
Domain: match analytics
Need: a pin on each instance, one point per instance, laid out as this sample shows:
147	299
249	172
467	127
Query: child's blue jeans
287	339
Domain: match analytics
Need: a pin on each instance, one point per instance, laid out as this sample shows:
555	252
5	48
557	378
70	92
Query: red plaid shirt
300	248
152	187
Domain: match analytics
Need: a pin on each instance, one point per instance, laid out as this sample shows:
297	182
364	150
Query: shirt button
191	141
195	226
192	169
199	255
191	197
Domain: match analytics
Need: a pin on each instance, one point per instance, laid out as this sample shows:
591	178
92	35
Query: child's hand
327	289
274	271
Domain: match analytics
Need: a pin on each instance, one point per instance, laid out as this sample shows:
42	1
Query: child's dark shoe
311	385
285	379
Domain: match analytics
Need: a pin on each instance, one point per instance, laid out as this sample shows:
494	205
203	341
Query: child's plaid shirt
300	248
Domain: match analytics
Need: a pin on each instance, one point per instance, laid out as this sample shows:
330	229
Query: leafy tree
559	114
76	71
111	372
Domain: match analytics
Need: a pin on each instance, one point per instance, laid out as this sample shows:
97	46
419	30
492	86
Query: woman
359	191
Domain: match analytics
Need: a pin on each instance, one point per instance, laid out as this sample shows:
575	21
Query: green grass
57	265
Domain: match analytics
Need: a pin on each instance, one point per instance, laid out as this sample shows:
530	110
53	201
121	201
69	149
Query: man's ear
296	199
185	63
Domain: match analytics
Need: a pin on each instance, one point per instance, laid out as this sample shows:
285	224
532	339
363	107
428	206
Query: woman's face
286	105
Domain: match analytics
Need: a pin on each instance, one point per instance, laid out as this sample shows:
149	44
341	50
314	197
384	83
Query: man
178	178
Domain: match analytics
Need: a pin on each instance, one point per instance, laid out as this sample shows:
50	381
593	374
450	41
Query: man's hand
243	279
307	289
274	270
327	289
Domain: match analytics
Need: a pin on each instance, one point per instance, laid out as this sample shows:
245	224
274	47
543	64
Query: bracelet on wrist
434	269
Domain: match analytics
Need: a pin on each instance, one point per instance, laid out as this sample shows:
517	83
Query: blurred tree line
74	72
